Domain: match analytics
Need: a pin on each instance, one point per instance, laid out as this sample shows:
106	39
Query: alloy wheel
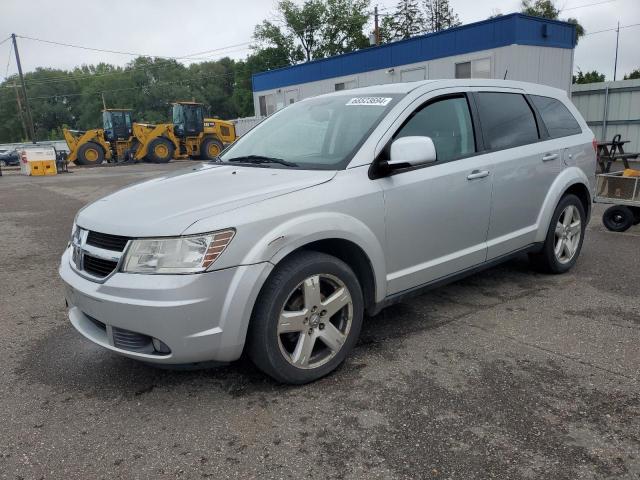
315	321
567	234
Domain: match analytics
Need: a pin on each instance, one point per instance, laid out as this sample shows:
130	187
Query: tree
343	26
315	29
635	74
407	21
547	9
439	15
588	77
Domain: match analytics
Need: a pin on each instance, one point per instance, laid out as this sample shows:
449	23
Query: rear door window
556	116
507	120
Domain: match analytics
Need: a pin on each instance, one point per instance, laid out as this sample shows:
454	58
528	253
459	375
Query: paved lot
507	374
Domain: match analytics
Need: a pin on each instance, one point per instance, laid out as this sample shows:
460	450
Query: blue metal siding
493	33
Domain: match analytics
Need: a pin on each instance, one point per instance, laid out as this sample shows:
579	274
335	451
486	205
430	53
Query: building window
463	70
480	68
347	85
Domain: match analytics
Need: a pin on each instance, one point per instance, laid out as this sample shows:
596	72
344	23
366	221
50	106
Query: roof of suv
427	85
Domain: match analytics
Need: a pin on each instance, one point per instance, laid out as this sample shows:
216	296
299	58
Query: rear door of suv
524	167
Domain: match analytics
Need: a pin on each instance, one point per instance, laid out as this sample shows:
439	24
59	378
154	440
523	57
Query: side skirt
425	287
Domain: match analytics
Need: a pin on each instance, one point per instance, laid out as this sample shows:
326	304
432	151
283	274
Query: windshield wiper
260	159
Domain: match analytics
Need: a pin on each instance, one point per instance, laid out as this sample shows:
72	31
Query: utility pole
615	65
104	104
376	28
19	105
24	89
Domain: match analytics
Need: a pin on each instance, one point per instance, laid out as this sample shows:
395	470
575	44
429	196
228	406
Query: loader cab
188	119
116	124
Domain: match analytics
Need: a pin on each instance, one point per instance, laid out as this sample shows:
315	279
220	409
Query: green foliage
547	9
409	19
439	15
634	74
315	29
588	77
146	85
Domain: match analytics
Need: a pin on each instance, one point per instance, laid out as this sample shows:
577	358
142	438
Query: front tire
90	153
307	318
564	239
160	150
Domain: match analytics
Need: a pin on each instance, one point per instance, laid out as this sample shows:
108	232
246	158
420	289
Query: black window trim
535	109
374	169
543	135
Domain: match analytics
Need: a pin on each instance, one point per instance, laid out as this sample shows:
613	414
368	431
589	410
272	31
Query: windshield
321	133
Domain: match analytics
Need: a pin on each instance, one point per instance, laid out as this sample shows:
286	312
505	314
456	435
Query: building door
413	74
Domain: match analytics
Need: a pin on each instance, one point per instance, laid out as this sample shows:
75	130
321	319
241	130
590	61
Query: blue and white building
515	46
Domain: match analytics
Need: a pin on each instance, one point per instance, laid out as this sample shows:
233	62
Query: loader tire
90	153
210	148
160	150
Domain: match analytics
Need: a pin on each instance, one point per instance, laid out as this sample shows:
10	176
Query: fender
295	233
568	177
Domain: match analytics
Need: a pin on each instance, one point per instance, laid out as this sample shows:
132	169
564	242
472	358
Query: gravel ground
507	374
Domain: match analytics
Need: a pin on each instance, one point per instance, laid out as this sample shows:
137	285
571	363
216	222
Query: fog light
159	346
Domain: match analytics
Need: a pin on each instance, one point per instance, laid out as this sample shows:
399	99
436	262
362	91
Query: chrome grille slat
107	241
96	255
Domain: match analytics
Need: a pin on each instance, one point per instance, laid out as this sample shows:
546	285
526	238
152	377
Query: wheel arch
571	181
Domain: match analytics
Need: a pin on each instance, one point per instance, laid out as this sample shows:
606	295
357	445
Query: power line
588	5
612	29
192	56
124	71
133	54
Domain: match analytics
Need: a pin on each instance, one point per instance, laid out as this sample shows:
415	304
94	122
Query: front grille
106	241
98	267
128	340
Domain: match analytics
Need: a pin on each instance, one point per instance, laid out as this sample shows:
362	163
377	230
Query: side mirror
412	151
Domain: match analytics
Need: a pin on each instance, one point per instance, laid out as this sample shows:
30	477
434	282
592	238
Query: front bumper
200	317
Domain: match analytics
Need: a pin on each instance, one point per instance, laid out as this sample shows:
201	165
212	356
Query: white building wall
545	65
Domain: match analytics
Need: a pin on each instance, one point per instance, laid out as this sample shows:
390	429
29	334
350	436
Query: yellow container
49	167
37	167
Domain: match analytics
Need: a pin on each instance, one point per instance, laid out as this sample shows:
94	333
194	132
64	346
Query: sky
177	28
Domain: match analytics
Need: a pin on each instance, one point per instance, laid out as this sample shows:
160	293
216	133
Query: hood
167	205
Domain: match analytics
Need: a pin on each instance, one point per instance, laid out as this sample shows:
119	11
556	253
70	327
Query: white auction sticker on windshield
373	101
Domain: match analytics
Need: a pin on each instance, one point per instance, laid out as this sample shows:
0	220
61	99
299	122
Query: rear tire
160	150
90	153
618	218
210	148
307	318
636	215
562	245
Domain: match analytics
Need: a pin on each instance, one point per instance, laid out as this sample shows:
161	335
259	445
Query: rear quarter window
556	116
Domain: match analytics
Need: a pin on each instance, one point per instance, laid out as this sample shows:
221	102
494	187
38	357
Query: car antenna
505	74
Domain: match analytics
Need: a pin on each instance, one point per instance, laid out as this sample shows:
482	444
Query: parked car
9	158
331	208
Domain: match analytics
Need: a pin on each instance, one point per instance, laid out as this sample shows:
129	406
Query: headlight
190	254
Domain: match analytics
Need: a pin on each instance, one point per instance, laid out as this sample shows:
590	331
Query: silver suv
333	207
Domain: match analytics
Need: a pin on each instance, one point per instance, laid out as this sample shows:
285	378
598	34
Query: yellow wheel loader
189	135
112	142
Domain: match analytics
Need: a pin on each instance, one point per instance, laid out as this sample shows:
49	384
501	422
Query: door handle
478	174
549	156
